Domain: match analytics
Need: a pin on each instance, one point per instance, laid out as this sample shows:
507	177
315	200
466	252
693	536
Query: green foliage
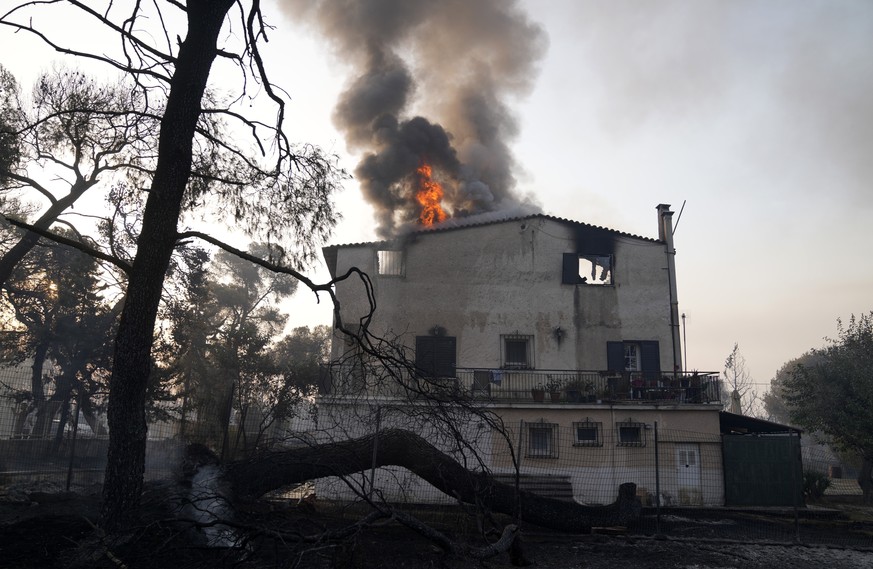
832	393
814	484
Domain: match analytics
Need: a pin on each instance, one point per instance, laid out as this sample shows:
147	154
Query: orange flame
429	195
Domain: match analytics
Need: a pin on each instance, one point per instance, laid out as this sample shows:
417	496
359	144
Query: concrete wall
597	471
481	282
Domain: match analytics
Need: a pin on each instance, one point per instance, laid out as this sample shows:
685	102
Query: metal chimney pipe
665	234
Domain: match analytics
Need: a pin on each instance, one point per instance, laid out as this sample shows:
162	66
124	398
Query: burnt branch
88	250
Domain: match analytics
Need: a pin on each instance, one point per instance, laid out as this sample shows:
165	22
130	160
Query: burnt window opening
517	351
435	355
631	434
390	262
588	434
542	440
587	269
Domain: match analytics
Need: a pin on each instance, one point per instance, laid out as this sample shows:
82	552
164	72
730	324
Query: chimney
665	234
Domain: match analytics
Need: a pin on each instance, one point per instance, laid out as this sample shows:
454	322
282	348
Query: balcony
574	387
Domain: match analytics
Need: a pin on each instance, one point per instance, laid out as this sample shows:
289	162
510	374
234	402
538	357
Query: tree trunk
132	362
254	477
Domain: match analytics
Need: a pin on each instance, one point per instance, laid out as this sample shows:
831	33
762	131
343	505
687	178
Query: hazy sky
757	114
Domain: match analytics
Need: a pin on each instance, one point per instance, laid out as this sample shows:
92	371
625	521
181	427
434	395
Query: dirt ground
55	530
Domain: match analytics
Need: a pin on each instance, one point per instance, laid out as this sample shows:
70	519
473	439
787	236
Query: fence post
796	489
375	451
519	456
657	484
228	411
73	441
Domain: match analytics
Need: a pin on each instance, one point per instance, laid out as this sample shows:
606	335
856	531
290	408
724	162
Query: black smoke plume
457	62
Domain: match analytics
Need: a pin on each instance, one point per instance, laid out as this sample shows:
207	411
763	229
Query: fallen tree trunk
251	478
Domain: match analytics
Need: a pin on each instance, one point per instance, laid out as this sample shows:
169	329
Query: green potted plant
553	386
579	391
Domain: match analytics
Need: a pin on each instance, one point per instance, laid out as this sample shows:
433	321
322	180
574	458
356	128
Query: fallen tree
254	477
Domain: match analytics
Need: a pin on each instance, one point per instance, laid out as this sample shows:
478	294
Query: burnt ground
56	530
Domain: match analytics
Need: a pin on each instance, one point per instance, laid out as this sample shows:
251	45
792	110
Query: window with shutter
435	355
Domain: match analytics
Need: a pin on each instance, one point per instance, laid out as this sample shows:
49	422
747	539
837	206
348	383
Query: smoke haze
433	81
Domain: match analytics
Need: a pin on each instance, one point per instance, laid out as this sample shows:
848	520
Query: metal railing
539	386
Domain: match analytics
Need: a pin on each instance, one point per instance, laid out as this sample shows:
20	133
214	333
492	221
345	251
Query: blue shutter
615	356
650	359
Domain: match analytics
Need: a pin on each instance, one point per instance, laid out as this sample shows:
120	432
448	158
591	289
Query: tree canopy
831	391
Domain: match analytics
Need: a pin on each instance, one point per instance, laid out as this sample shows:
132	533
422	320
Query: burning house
545	320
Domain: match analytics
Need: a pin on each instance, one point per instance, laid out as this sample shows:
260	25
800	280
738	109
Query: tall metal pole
657	484
684	345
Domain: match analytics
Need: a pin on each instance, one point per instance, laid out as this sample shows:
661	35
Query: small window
631	434
542	440
390	262
517	351
588	434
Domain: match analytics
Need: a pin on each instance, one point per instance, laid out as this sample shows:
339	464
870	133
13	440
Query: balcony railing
541	386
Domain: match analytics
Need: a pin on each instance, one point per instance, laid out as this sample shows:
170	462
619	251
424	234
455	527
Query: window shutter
570	272
444	356
435	355
615	356
650	359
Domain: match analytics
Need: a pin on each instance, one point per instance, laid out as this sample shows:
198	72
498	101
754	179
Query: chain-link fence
689	484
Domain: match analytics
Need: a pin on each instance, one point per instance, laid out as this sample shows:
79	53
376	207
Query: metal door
688	474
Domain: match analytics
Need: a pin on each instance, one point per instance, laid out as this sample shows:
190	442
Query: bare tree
742	397
76	132
292	185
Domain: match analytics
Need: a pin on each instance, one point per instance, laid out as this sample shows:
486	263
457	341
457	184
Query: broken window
587	269
542	440
631	434
588	434
390	262
517	351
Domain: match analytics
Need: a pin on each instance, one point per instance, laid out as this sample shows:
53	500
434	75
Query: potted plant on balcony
538	392
579	391
553	386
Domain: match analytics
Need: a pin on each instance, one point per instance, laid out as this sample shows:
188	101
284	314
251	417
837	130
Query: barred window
631	434
517	351
588	434
390	262
542	440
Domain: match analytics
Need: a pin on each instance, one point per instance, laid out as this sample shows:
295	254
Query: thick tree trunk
131	366
254	477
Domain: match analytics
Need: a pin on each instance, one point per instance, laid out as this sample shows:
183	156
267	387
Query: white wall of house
481	282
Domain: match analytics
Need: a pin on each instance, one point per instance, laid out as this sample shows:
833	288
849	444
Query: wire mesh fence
689	484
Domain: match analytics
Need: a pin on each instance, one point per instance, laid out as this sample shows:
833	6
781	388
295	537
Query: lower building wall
684	469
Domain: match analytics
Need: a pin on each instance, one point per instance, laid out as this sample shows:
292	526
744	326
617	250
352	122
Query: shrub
815	484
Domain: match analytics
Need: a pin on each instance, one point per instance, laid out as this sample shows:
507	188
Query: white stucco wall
481	282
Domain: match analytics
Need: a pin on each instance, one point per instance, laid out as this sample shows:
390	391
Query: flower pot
538	394
555	395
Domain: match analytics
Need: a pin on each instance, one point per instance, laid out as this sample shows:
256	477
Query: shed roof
731	424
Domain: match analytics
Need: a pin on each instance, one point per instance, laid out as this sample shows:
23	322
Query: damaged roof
455	224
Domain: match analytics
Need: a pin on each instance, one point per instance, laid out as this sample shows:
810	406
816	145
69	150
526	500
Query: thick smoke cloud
434	82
